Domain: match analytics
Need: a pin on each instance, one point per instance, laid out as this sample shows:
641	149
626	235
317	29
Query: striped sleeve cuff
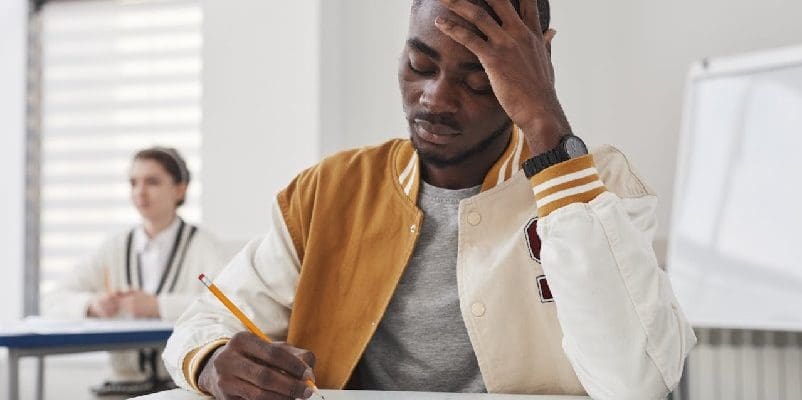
195	359
572	181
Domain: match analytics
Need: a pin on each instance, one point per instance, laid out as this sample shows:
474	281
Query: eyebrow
424	48
471	66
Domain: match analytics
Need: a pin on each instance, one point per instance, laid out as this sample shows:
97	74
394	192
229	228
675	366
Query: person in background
146	272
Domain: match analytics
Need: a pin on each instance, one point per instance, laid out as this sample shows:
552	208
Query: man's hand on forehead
516	56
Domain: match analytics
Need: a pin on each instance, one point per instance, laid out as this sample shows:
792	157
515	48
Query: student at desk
146	272
490	252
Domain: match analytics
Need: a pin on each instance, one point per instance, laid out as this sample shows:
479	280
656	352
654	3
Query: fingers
273	355
129	293
531	16
478	17
251	368
463	36
305	355
111	296
231	387
110	309
505	11
104	306
264	378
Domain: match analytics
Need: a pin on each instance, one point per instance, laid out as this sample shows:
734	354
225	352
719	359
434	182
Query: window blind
117	76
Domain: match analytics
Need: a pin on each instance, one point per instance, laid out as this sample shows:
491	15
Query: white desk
179	394
39	337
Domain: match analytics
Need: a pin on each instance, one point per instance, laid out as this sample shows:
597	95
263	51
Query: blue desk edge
30	340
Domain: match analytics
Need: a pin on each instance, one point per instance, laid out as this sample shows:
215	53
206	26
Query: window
116	76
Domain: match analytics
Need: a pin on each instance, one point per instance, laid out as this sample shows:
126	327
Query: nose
137	190
439	97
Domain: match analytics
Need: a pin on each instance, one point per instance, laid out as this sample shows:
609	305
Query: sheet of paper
180	394
177	394
44	326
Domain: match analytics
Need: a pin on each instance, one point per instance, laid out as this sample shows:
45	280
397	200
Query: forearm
623	331
544	130
619	317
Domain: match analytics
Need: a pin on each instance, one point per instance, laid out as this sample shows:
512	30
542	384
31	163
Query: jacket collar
407	165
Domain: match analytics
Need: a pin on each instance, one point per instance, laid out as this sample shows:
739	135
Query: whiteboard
735	243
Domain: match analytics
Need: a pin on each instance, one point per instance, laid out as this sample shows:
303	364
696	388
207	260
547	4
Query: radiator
743	365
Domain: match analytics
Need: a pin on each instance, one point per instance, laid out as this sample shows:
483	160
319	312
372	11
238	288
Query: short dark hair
543	6
170	160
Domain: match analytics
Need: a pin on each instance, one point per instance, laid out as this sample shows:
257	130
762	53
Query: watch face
575	147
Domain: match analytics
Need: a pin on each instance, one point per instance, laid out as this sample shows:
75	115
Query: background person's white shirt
154	253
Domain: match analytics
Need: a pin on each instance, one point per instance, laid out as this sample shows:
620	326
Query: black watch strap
542	161
570	146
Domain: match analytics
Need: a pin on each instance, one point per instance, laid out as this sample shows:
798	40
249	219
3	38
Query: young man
489	252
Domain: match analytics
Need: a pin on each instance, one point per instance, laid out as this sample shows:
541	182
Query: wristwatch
570	146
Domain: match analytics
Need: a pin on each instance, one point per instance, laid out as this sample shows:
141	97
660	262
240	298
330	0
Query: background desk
40	337
371	395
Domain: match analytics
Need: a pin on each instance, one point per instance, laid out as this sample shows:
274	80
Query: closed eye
482	92
419	72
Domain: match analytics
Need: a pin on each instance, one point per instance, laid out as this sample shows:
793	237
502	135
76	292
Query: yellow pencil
245	320
106	280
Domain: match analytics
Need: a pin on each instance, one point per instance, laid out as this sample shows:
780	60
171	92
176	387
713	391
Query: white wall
260	107
13	19
361	44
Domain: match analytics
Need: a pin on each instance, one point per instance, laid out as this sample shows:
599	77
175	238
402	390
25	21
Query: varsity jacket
559	287
115	264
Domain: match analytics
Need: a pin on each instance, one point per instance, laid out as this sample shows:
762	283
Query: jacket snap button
478	309
474	218
413	228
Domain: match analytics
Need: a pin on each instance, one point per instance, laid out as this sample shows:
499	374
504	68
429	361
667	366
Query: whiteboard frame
702	70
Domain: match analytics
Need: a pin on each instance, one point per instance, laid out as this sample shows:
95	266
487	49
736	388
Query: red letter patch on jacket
533	240
543	288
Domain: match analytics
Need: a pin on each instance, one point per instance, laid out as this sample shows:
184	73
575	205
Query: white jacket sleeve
623	330
261	280
71	296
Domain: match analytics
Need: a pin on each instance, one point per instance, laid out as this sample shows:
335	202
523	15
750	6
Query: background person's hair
170	160
543	7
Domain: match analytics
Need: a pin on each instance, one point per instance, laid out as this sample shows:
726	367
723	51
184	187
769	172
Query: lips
435	133
436	129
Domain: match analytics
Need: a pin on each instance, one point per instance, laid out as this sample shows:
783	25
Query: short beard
435	160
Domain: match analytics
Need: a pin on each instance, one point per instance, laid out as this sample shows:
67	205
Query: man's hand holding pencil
251	366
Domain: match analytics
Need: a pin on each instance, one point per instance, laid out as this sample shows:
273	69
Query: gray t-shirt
421	343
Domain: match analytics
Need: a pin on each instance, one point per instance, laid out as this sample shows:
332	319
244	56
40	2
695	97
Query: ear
181	191
548	36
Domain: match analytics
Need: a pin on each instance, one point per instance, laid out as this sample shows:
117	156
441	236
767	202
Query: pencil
246	321
106	281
